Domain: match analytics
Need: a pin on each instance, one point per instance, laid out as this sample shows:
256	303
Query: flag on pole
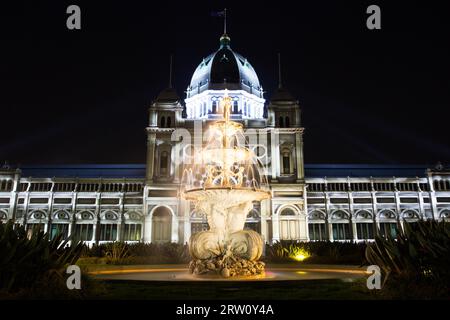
218	13
223	14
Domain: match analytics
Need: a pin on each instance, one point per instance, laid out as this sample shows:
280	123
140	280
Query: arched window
341	226
235	107
164	162
287	212
163	122
281	122
286	121
317	226
286	158
245	108
214	107
161	225
169	122
289	224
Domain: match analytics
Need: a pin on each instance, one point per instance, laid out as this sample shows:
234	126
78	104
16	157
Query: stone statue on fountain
232	179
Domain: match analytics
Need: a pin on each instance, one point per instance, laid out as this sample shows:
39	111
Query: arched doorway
289	224
161	225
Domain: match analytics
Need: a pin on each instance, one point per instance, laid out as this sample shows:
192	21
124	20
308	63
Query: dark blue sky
367	96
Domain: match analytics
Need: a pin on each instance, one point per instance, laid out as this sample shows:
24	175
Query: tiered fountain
223	186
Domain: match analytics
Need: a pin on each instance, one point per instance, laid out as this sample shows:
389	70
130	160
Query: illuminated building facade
142	202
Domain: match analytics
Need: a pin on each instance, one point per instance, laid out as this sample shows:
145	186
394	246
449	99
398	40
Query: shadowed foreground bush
34	267
416	264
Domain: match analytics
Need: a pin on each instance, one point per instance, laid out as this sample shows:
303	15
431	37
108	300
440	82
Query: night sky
379	96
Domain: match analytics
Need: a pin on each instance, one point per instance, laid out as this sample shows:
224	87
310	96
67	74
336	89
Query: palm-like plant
28	261
422	253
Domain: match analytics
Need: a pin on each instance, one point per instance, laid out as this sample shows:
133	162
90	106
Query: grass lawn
279	290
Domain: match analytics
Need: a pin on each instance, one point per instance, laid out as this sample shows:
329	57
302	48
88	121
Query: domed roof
281	94
224	69
168	95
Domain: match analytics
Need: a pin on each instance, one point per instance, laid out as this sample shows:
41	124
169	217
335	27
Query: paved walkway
274	272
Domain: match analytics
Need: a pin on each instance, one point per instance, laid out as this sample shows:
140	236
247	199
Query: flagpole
225	21
279	70
170	71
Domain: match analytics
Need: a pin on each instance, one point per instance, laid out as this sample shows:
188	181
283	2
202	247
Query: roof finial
279	71
170	71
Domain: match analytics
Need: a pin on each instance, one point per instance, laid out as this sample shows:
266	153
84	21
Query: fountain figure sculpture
223	185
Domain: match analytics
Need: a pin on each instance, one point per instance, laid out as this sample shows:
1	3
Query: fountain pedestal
226	248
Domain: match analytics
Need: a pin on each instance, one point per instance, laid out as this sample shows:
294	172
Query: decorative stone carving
224	187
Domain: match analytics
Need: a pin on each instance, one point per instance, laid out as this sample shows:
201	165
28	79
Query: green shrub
96	250
316	252
34	264
137	253
417	262
116	252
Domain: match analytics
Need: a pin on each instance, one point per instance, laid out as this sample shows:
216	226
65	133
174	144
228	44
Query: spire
279	71
170	71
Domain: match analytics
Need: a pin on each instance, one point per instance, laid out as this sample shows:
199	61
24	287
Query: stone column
121	221
330	229
274	154
421	207
302	225
119	230
69	229
147	231
94	231
174	237
172	166
74	210
97	217
277	158
352	216
25	209
275	226
14	196
48	226
432	195
297	115
299	156
354	231
397	207
305	210
376	219
151	145
153	117
177	162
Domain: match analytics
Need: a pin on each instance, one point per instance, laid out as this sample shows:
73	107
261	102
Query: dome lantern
225	41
